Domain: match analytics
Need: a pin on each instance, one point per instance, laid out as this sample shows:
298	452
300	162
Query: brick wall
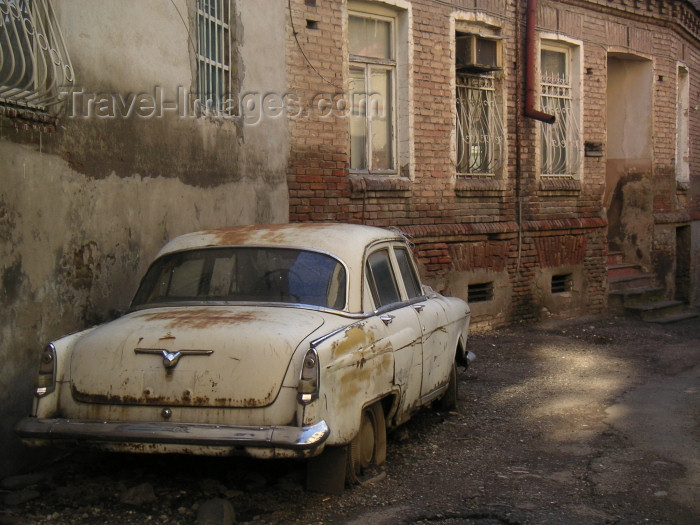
517	225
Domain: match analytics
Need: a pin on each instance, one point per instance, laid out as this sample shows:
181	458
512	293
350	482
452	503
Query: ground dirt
581	421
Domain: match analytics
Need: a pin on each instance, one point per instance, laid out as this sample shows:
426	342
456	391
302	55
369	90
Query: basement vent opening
479	293
561	283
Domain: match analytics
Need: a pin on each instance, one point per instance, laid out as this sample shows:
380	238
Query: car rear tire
449	399
367	450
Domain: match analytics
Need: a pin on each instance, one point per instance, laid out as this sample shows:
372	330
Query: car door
403	328
436	360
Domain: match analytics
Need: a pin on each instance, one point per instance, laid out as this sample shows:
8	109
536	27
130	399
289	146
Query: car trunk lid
229	356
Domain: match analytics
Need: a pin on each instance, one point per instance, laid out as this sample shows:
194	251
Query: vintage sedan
297	340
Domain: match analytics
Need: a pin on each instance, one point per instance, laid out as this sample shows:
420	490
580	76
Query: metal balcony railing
34	61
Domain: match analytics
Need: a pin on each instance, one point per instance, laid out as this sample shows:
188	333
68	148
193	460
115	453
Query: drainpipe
530	110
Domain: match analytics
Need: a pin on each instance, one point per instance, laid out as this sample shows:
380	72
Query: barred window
479	126
34	61
562	283
214	52
480	292
561	140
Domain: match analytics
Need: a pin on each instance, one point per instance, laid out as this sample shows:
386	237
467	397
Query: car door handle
418	307
387	319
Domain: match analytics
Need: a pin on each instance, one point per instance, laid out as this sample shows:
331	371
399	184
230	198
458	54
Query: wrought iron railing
480	140
561	140
34	62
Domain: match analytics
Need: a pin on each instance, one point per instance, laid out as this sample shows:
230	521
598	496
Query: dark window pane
410	280
382	278
245	274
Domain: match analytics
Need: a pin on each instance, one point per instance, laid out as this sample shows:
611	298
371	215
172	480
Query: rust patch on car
355	337
201	318
363	380
242	403
185	399
272	233
105	399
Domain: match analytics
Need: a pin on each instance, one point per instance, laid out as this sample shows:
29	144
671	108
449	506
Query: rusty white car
297	340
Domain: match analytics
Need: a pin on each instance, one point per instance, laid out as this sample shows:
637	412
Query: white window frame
214	72
569	92
368	106
37	68
683	124
400	13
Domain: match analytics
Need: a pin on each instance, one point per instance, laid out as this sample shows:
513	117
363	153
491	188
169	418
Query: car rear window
245	274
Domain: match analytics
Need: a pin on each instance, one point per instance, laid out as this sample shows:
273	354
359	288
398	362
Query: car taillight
309	378
46	379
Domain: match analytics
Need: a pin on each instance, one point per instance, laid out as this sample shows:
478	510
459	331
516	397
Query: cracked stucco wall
84	209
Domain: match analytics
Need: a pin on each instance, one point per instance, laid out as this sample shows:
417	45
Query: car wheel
367	450
449	400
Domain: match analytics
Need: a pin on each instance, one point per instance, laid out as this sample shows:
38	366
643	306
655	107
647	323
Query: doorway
683	264
628	194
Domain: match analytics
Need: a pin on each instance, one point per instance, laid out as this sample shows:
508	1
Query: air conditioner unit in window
477	54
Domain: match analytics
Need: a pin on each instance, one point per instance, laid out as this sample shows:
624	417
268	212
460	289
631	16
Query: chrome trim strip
430	396
170	359
300	438
268	304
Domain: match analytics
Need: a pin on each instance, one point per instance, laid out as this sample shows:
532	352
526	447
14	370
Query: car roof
340	240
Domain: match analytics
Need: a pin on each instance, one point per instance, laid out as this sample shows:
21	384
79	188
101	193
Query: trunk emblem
170	359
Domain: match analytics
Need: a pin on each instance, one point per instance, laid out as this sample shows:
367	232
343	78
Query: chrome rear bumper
73	430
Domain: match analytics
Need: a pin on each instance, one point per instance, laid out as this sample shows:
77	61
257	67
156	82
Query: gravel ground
584	421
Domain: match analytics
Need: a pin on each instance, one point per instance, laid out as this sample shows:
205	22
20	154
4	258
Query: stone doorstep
657	309
624	270
629	282
636	296
615	258
683	316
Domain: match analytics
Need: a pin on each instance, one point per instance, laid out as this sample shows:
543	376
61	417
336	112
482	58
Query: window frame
374	282
368	64
163	282
213	99
573	51
489	81
369	283
682	124
412	273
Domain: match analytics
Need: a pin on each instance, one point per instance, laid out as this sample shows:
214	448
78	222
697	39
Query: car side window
381	279
408	274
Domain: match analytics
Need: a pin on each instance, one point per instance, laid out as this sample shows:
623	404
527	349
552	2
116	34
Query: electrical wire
303	53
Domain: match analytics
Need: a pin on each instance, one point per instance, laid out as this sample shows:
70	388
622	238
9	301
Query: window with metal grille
561	140
480	292
34	61
479	125
214	52
562	283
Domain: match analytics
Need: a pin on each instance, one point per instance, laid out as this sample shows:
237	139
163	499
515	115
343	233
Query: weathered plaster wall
84	209
263	84
628	195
